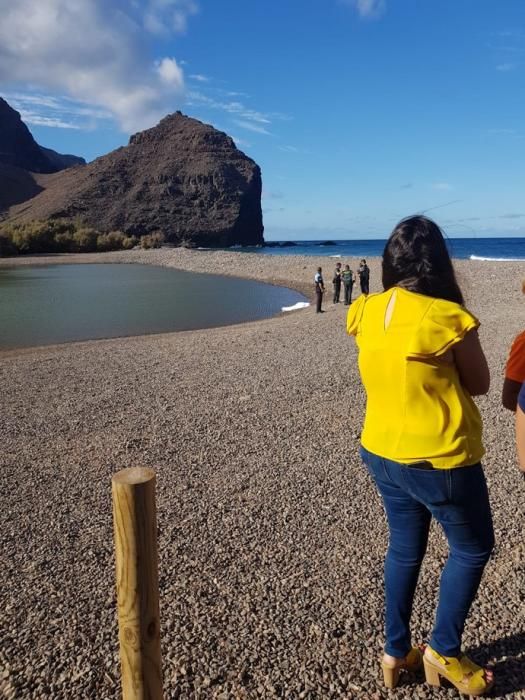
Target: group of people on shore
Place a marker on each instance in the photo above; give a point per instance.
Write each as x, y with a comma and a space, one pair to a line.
421, 363
342, 278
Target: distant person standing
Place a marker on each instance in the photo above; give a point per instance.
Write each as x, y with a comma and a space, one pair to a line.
319, 289
364, 277
337, 283
348, 282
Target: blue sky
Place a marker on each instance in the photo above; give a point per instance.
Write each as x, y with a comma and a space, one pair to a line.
359, 112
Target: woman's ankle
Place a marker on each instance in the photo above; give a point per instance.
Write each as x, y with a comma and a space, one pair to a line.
394, 658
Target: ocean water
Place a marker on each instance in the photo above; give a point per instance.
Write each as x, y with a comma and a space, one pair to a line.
462, 248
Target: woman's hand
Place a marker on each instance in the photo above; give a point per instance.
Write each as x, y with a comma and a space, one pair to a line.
472, 364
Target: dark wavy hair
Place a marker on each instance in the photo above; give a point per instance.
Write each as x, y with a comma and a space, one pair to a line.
416, 258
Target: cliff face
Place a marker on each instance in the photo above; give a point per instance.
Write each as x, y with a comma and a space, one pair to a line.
182, 178
61, 161
19, 149
23, 161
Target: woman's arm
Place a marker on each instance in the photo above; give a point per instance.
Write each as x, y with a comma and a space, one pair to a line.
509, 396
472, 364
520, 437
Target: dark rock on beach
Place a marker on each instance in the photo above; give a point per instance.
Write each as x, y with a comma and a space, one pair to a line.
182, 178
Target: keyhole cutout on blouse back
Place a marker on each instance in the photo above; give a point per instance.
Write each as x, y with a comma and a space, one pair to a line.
390, 309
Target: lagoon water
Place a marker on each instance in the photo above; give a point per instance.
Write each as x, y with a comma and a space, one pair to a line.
50, 304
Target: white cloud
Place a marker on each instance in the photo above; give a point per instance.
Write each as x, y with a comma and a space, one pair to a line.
233, 93
240, 142
250, 126
170, 73
96, 52
254, 116
442, 186
246, 118
368, 8
56, 111
163, 17
200, 78
40, 120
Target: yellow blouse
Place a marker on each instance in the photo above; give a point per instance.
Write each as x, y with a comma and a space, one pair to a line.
417, 408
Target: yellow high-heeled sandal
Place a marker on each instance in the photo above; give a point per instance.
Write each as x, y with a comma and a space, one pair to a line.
464, 674
413, 662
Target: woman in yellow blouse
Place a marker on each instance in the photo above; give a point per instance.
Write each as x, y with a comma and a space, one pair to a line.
421, 362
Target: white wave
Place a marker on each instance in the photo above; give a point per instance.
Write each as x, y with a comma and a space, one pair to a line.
479, 257
334, 256
295, 307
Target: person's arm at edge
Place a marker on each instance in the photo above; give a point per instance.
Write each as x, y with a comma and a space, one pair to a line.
509, 395
472, 364
520, 437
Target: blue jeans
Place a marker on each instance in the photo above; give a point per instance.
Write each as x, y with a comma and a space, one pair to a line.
458, 500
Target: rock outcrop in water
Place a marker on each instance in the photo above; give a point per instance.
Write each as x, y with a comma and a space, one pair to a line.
182, 178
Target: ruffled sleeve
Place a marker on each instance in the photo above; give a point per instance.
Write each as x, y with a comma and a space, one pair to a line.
445, 324
355, 312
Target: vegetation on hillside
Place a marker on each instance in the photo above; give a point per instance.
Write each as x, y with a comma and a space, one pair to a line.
61, 236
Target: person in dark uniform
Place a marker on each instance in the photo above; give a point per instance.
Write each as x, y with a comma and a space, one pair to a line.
337, 283
364, 277
348, 281
319, 289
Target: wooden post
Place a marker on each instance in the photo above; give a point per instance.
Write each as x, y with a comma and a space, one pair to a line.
136, 558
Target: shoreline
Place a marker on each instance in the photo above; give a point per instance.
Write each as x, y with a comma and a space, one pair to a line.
292, 271
271, 536
289, 271
44, 260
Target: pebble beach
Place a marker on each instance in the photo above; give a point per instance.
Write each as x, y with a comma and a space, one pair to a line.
271, 535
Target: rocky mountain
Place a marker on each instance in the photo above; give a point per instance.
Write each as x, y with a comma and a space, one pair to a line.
61, 161
182, 178
16, 185
23, 161
19, 149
